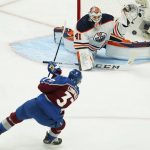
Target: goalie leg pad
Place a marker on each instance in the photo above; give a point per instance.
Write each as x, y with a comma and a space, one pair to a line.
85, 59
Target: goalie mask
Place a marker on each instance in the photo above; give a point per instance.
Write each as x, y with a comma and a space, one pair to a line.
95, 14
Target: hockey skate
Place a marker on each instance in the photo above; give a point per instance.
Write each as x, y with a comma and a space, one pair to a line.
52, 140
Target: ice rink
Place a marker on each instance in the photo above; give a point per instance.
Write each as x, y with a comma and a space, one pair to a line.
113, 109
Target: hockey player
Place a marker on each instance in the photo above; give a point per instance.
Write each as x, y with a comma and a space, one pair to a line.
94, 30
58, 92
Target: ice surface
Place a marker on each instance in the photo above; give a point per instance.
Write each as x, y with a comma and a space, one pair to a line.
112, 112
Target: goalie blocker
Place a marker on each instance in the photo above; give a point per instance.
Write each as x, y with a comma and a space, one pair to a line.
85, 59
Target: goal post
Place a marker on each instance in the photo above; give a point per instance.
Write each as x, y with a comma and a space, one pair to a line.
78, 9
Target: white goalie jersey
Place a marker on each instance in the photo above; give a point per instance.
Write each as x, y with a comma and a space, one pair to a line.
95, 36
91, 36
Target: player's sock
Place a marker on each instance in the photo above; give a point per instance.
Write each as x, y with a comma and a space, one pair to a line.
9, 122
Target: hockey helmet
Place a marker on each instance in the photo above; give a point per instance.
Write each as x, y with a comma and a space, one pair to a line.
95, 14
75, 76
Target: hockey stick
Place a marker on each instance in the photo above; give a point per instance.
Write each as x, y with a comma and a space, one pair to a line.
133, 56
59, 45
102, 66
61, 63
60, 41
98, 66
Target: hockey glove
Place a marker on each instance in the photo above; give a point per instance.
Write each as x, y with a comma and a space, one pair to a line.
53, 68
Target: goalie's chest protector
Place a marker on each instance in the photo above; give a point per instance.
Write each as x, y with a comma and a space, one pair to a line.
97, 35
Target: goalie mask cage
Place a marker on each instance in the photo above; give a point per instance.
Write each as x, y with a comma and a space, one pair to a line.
83, 6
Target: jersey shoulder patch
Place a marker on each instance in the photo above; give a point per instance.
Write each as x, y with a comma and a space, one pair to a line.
84, 24
106, 18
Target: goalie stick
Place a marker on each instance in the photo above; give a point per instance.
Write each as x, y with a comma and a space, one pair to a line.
99, 66
102, 66
133, 56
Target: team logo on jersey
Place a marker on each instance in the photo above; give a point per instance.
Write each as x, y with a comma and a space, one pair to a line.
68, 34
99, 37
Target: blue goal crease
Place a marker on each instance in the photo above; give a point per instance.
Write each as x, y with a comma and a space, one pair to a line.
44, 49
